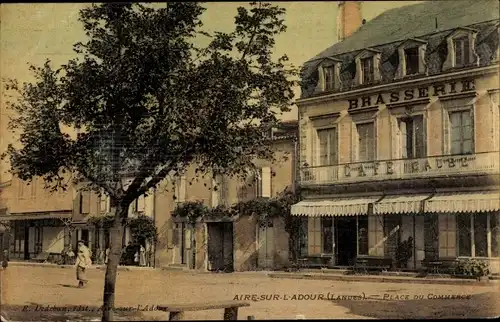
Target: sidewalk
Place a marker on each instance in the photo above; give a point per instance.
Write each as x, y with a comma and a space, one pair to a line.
382, 278
103, 267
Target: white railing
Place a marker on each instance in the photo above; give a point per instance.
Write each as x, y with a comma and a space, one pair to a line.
479, 163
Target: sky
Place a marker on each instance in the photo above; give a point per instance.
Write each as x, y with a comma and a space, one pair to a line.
31, 33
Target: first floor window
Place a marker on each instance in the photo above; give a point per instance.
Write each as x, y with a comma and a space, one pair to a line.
462, 131
362, 235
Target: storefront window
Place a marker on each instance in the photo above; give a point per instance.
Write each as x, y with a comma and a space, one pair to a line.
303, 236
362, 235
480, 235
327, 226
464, 235
495, 234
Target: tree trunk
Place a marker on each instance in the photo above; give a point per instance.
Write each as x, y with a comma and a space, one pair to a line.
115, 245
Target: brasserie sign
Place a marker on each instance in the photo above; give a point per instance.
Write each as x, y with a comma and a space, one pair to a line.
438, 89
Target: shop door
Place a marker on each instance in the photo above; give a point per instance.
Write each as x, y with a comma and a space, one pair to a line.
345, 240
266, 249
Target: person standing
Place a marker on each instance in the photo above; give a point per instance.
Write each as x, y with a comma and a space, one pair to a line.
142, 256
107, 256
83, 261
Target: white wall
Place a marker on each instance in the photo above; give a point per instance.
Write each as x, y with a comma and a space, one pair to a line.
53, 239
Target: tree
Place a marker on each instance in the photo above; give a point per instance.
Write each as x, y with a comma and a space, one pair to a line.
148, 102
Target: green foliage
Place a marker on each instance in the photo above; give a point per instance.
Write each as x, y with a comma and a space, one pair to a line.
149, 101
101, 221
143, 228
472, 267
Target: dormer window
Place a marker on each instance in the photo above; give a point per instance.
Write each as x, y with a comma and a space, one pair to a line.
411, 58
329, 75
329, 72
461, 47
367, 67
367, 64
461, 53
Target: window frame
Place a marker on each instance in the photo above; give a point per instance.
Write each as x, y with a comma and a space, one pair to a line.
460, 33
461, 111
358, 139
472, 232
421, 67
401, 152
416, 68
364, 79
333, 129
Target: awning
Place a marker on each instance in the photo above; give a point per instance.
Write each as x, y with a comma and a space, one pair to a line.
400, 204
35, 216
476, 201
334, 207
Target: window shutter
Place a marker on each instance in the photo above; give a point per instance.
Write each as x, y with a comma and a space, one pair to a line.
333, 147
85, 202
140, 203
216, 187
323, 147
103, 202
418, 132
466, 50
403, 139
266, 182
314, 148
182, 189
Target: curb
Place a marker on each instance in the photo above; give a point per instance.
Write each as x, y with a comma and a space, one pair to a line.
377, 279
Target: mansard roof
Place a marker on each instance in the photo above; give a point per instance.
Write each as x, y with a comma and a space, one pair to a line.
389, 30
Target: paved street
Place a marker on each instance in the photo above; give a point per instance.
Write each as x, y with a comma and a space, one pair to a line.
43, 286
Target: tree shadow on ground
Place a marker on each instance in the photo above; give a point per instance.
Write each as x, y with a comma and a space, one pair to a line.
68, 285
477, 306
64, 313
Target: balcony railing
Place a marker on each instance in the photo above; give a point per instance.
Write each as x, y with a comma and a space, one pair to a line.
436, 166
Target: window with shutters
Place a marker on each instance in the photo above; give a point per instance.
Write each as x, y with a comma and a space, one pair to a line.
265, 182
375, 236
480, 221
447, 235
462, 51
462, 130
103, 203
328, 146
180, 189
314, 236
411, 131
85, 202
367, 69
366, 141
141, 204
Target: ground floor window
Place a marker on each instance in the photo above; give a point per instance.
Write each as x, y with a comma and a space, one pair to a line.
473, 231
302, 240
362, 235
327, 231
314, 236
447, 235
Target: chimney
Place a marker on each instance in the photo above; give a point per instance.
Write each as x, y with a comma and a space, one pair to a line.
348, 18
